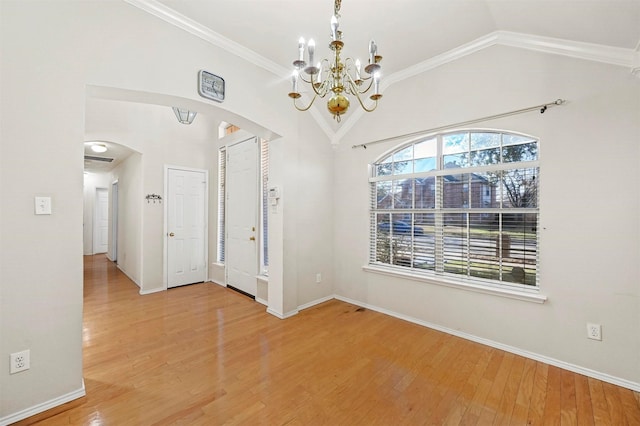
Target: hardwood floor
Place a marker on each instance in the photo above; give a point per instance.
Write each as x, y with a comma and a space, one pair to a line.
205, 355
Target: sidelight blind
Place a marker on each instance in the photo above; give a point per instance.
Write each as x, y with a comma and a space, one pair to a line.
222, 172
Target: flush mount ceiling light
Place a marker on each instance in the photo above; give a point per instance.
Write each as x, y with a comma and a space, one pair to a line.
98, 147
336, 76
184, 115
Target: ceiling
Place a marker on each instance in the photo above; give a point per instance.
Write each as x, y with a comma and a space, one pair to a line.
408, 33
118, 124
98, 162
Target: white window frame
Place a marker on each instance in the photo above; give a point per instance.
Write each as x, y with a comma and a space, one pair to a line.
522, 291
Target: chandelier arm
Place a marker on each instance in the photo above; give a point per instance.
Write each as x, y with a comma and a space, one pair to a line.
362, 92
326, 66
321, 90
349, 62
307, 107
375, 105
353, 85
303, 79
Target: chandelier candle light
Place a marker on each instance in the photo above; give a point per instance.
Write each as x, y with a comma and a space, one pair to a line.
336, 78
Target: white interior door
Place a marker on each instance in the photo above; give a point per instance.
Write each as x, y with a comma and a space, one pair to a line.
241, 255
186, 226
101, 221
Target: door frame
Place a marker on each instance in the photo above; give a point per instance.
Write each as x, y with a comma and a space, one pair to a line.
95, 218
165, 226
257, 222
113, 249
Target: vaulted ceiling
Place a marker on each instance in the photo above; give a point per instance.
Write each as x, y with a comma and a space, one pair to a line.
413, 35
409, 31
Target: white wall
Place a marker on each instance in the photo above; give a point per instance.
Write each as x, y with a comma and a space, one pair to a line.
311, 211
159, 151
130, 218
41, 256
80, 45
589, 205
301, 168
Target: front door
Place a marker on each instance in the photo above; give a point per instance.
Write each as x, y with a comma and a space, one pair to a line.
186, 226
241, 255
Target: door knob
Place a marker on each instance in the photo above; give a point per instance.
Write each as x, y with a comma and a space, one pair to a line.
252, 238
171, 234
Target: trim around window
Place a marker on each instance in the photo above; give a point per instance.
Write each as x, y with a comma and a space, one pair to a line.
524, 293
459, 208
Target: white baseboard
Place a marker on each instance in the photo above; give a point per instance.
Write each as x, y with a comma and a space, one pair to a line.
316, 302
262, 301
216, 282
300, 308
36, 409
153, 290
531, 355
282, 316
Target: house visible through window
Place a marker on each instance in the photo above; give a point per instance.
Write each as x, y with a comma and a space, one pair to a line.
461, 206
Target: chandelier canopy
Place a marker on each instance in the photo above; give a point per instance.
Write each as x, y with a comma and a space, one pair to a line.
335, 77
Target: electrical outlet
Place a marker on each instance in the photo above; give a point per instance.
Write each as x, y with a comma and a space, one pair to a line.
318, 278
20, 361
594, 331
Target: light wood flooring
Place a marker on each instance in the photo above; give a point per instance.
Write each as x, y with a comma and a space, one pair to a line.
206, 355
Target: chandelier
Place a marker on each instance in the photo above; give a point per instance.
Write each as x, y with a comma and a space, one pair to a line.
335, 77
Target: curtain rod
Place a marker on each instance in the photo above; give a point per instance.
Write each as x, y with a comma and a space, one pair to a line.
542, 108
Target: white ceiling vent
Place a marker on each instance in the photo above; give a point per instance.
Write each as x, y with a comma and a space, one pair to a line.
96, 158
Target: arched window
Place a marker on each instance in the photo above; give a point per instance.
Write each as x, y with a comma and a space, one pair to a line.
460, 205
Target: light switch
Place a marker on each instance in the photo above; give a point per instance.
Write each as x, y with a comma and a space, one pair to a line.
43, 205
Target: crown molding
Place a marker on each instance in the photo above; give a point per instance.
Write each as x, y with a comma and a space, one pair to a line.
170, 16
574, 49
419, 68
635, 70
629, 58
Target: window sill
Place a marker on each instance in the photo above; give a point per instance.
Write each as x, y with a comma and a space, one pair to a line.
510, 293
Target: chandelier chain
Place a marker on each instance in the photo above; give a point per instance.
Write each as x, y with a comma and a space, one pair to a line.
336, 8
